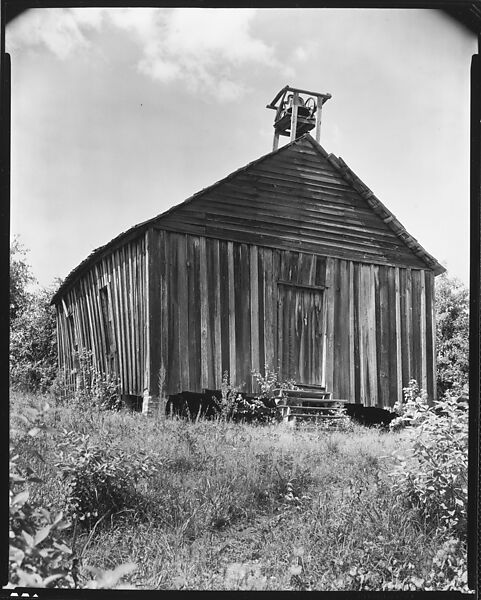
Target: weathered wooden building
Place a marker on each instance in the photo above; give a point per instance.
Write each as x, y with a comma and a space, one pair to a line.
290, 262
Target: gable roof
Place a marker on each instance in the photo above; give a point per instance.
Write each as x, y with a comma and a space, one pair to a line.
297, 197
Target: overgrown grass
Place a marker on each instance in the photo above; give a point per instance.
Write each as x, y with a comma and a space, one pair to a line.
233, 506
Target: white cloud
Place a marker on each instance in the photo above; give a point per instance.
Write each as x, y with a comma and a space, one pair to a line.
203, 48
306, 51
142, 22
209, 32
300, 53
62, 31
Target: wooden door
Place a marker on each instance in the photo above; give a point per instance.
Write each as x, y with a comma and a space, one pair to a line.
301, 334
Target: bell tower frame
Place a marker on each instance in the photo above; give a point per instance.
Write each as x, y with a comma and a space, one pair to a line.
296, 115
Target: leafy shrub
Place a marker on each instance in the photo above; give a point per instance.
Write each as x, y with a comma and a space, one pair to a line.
412, 410
39, 555
101, 481
234, 407
269, 382
434, 478
343, 422
448, 571
254, 410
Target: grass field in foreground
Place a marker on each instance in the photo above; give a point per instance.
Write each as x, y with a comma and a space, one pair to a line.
238, 506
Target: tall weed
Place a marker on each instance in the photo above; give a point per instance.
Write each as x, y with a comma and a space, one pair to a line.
92, 386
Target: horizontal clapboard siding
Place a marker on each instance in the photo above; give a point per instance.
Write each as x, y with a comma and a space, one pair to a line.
293, 200
235, 307
105, 312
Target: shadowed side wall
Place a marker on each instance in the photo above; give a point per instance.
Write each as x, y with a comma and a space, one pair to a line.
105, 312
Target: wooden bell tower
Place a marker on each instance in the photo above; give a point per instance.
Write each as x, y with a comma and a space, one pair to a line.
296, 114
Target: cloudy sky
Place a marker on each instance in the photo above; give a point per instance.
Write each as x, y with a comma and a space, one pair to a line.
118, 114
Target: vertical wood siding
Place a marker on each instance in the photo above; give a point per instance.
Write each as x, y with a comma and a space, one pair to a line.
221, 301
105, 312
229, 307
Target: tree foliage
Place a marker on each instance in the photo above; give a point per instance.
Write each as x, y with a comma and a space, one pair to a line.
452, 335
21, 277
33, 345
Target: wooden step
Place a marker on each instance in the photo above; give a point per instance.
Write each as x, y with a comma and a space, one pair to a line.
311, 418
306, 402
308, 405
307, 408
319, 417
303, 394
309, 413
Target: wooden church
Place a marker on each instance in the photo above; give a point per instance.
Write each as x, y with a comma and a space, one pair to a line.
290, 263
